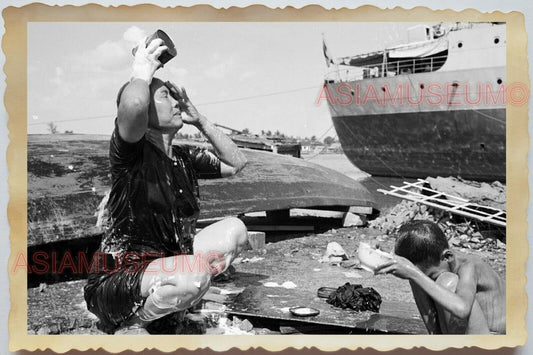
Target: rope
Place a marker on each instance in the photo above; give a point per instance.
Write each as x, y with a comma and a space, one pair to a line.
200, 104
320, 138
385, 164
489, 116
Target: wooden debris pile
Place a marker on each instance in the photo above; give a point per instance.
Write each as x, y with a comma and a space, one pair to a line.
482, 193
461, 232
402, 213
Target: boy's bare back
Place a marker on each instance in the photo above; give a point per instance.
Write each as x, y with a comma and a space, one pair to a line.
490, 291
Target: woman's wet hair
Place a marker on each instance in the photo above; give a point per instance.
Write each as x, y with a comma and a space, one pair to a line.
421, 242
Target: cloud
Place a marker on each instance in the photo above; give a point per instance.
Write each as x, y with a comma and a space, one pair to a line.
111, 56
221, 69
58, 78
217, 71
82, 79
176, 75
247, 75
134, 34
178, 72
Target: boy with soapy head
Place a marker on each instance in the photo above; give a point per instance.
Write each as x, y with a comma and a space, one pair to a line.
455, 293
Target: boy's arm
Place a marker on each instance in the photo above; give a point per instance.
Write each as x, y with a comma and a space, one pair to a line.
427, 309
459, 303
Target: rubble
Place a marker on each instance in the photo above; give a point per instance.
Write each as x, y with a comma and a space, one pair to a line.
235, 326
286, 284
353, 220
352, 274
247, 260
403, 212
42, 286
43, 330
246, 325
334, 254
461, 232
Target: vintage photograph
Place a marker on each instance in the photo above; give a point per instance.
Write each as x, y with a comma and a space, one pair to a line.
194, 177
266, 178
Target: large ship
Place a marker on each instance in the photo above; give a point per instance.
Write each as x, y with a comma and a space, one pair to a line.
432, 107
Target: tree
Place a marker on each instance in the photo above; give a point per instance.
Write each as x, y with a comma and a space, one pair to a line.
313, 138
269, 133
246, 131
52, 127
329, 140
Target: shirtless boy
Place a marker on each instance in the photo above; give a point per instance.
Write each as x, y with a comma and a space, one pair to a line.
455, 293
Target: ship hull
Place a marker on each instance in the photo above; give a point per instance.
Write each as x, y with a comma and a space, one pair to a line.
462, 143
414, 115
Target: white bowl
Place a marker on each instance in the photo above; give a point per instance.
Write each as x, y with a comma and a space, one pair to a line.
371, 258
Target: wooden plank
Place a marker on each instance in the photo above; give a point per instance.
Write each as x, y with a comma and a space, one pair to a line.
273, 303
304, 212
300, 328
256, 214
273, 228
320, 211
361, 209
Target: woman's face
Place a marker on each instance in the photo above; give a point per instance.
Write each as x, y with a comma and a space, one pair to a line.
164, 113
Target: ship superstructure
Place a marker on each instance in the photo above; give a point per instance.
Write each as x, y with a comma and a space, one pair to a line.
434, 106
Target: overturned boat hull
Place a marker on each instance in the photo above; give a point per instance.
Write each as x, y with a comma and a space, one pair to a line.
68, 178
274, 182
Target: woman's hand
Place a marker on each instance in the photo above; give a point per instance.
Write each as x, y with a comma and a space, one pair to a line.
399, 267
193, 116
146, 62
232, 158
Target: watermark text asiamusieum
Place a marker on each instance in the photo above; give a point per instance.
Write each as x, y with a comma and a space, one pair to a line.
433, 94
41, 263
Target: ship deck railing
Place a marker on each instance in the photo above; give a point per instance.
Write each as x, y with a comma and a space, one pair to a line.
420, 192
344, 73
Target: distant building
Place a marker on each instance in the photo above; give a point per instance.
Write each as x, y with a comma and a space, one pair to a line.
334, 148
309, 146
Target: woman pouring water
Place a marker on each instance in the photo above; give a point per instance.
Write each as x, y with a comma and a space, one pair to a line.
150, 261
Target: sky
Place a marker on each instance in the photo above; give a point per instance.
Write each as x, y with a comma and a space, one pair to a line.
260, 76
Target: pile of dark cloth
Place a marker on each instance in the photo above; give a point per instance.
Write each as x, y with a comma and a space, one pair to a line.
356, 297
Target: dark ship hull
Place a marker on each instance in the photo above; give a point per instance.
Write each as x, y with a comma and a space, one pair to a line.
417, 145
